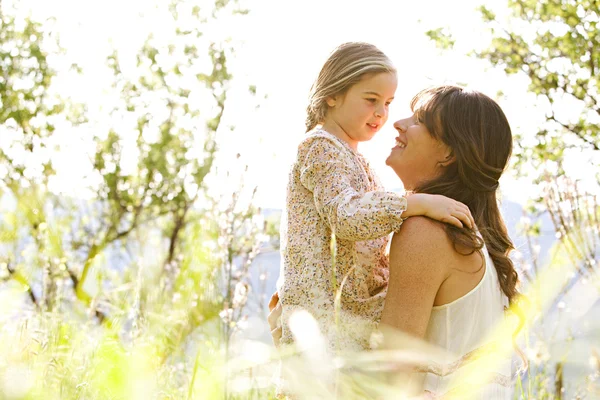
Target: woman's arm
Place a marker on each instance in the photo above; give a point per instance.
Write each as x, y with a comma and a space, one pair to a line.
420, 255
418, 267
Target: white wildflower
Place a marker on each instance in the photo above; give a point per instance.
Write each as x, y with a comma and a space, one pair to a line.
240, 295
226, 315
539, 354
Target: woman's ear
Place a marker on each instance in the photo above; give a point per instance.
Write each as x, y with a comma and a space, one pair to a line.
449, 158
331, 100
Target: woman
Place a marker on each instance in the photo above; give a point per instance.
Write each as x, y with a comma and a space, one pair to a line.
450, 286
447, 285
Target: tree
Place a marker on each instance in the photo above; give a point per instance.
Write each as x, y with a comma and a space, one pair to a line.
148, 195
562, 61
555, 44
26, 114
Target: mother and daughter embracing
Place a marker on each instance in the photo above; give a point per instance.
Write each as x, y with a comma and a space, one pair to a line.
448, 279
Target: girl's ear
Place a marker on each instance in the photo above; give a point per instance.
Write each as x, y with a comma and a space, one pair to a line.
331, 101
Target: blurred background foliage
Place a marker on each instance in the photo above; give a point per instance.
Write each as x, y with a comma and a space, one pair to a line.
133, 289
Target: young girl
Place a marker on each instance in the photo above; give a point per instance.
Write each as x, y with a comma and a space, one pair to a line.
333, 193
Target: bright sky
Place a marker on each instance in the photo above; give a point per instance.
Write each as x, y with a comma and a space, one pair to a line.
281, 47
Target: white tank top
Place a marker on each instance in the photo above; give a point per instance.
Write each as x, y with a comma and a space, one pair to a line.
468, 329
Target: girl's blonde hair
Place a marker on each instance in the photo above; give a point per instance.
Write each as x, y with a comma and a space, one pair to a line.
346, 66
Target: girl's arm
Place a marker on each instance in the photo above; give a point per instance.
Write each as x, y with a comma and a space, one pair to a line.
440, 208
329, 174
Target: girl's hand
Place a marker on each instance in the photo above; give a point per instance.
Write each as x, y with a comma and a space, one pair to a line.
440, 208
274, 319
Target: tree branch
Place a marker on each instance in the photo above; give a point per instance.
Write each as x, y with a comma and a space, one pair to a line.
577, 131
21, 279
99, 314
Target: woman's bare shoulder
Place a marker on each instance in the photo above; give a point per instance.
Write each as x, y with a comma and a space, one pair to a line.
422, 238
419, 229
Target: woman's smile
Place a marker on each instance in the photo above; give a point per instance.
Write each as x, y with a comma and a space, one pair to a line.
399, 143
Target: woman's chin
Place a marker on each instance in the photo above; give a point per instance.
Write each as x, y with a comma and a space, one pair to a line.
393, 157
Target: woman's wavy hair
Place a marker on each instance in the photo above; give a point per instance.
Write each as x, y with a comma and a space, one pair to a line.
477, 132
346, 66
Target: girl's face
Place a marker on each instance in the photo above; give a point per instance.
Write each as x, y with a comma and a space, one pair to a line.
417, 157
357, 115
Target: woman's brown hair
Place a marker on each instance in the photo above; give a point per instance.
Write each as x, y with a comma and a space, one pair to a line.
476, 130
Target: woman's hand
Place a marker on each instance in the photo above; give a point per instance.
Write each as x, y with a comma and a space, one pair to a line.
274, 319
440, 208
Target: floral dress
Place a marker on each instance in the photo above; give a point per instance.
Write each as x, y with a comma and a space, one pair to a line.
333, 193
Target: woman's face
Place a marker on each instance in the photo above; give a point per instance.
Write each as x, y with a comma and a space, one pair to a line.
417, 157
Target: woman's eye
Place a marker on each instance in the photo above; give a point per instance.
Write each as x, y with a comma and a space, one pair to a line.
372, 100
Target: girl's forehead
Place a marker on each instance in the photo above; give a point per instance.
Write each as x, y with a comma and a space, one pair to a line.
380, 82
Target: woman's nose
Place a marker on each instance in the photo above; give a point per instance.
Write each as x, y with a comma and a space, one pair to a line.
400, 125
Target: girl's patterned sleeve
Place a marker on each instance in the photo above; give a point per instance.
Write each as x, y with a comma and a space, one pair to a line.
332, 177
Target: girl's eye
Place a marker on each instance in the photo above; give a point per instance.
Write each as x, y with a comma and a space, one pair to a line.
372, 100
